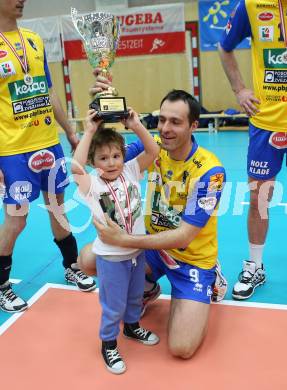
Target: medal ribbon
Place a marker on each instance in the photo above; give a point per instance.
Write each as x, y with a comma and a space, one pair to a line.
282, 20
127, 223
24, 63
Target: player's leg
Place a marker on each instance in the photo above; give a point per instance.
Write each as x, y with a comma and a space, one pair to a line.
190, 306
87, 260
153, 272
263, 163
66, 242
187, 326
14, 224
53, 183
18, 192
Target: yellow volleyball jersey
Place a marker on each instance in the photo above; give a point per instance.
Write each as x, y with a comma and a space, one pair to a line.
260, 19
27, 119
190, 191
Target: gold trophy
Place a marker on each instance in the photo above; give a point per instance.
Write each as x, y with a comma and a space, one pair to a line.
100, 32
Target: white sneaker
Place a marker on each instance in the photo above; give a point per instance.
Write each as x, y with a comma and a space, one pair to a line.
9, 301
220, 285
74, 275
248, 280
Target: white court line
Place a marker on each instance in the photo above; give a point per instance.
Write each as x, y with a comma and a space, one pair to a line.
278, 204
34, 299
15, 281
46, 287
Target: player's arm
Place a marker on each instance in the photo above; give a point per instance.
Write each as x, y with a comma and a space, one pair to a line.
201, 203
151, 148
237, 29
59, 112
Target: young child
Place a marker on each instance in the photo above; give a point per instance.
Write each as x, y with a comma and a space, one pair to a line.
114, 189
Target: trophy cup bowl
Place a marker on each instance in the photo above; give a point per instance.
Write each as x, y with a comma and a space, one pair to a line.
100, 32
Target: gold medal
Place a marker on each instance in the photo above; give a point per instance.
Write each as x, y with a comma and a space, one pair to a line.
28, 79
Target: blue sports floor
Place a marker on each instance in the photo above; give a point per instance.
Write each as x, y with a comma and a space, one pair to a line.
37, 261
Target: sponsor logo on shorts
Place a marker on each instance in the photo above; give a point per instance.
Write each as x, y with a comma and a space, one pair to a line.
41, 160
259, 167
209, 291
198, 287
275, 76
265, 16
207, 203
278, 140
21, 191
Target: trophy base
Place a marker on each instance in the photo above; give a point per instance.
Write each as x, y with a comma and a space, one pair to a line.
110, 109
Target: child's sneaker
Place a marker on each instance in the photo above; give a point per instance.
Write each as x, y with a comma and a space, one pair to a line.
112, 358
136, 332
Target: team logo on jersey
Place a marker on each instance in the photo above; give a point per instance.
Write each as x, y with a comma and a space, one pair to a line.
7, 69
168, 174
41, 160
266, 33
20, 90
32, 43
278, 140
207, 203
276, 76
216, 182
48, 120
18, 46
3, 53
265, 16
228, 27
275, 58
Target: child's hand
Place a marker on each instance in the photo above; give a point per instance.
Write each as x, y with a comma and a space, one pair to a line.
92, 122
132, 121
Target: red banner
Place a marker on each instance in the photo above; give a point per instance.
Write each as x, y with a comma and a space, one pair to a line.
146, 30
134, 45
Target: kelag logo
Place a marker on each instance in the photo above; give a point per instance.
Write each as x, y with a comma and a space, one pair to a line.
19, 90
275, 58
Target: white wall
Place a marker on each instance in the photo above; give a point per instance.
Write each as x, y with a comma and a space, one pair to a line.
42, 8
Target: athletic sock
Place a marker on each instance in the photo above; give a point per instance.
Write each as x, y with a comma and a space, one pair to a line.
149, 283
256, 253
69, 249
5, 269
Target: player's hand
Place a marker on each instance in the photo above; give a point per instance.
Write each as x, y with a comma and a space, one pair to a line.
73, 140
132, 121
102, 83
92, 123
248, 101
110, 233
